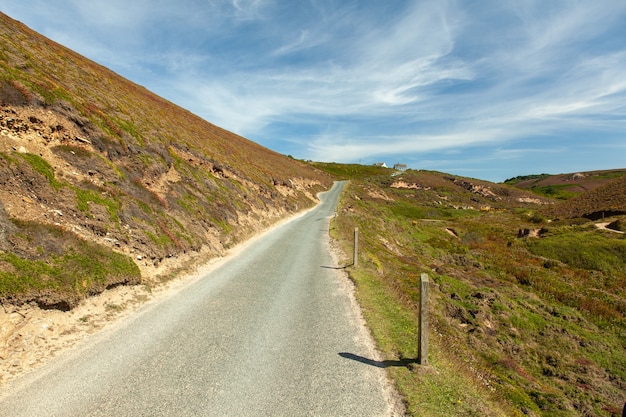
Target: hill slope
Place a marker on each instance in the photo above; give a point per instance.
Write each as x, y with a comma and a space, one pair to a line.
564, 186
606, 200
521, 324
102, 182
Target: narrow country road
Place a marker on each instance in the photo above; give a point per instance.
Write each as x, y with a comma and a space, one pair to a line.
271, 332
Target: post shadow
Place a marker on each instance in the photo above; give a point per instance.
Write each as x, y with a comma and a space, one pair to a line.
335, 267
405, 362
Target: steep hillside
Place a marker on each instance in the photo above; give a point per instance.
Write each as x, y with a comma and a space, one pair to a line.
104, 183
527, 313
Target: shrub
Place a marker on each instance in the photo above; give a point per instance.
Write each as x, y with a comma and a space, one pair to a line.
85, 196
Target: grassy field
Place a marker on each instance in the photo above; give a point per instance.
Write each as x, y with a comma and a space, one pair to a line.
519, 326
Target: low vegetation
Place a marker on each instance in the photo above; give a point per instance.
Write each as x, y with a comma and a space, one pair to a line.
527, 313
56, 269
604, 201
526, 178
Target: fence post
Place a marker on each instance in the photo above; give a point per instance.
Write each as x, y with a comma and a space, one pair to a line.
422, 357
356, 247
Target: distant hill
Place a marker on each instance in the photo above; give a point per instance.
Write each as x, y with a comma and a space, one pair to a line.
104, 183
604, 201
592, 194
442, 190
564, 186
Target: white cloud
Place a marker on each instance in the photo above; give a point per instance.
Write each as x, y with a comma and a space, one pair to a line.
336, 148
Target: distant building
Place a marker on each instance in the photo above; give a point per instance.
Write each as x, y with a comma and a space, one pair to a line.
380, 164
400, 167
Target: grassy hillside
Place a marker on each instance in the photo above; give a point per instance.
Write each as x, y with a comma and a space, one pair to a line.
565, 186
593, 195
102, 182
604, 201
527, 315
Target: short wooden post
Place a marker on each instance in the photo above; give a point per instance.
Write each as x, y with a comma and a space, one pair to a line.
356, 247
422, 357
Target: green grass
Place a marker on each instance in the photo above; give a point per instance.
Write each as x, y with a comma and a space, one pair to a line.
64, 264
130, 128
559, 192
588, 250
161, 240
41, 166
442, 389
75, 271
86, 196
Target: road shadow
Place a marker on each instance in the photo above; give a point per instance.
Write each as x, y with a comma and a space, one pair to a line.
406, 363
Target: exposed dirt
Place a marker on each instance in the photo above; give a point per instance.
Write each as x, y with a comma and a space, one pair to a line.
35, 131
604, 226
29, 335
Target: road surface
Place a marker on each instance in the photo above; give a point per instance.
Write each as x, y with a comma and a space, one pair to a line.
271, 332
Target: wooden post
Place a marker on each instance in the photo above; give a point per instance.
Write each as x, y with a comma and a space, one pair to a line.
356, 247
422, 357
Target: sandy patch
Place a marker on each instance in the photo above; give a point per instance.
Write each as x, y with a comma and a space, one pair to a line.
603, 226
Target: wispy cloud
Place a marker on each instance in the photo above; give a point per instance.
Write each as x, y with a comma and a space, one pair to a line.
360, 80
249, 9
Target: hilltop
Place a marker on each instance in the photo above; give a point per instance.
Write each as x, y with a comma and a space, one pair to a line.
104, 183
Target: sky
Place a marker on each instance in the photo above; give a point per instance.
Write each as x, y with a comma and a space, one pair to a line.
488, 89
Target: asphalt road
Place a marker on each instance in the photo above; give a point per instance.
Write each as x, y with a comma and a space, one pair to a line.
271, 332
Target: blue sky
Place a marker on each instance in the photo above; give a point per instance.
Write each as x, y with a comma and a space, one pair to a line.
489, 89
